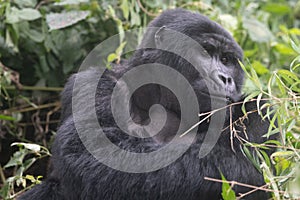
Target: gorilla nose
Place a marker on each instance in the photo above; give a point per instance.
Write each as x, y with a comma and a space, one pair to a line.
227, 81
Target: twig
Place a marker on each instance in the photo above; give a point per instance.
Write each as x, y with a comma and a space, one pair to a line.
42, 3
145, 10
251, 191
241, 184
33, 108
198, 123
2, 176
34, 88
231, 129
48, 117
42, 122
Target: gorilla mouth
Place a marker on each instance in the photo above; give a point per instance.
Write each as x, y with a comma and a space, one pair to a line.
227, 98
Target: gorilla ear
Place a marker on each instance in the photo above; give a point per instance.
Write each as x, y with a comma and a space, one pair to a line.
159, 36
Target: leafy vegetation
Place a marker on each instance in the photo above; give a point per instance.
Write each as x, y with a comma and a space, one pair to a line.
43, 42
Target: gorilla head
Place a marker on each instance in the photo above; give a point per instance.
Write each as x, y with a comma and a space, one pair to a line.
201, 50
209, 63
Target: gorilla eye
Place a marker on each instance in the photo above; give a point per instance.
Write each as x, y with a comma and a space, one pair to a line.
224, 60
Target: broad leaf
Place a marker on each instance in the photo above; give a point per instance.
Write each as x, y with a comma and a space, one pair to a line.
61, 20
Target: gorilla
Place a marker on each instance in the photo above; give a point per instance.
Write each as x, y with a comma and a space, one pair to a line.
209, 64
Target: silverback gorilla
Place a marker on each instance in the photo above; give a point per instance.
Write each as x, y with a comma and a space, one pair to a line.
75, 173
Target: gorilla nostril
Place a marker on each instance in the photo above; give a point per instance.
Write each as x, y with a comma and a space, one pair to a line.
223, 79
229, 81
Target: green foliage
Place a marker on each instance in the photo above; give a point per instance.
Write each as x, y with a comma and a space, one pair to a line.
20, 165
227, 192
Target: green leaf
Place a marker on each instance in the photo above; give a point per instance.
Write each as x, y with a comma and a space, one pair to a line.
249, 97
135, 18
30, 177
277, 8
17, 158
119, 50
295, 46
125, 9
259, 68
35, 35
247, 153
227, 192
258, 103
57, 21
28, 163
111, 57
255, 78
284, 72
258, 31
29, 14
29, 146
250, 52
280, 85
266, 157
284, 49
11, 15
294, 31
296, 87
25, 3
272, 125
43, 64
7, 118
33, 179
70, 2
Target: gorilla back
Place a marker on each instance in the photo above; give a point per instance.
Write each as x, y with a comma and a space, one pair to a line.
76, 174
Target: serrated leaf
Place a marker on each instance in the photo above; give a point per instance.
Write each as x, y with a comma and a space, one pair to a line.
57, 21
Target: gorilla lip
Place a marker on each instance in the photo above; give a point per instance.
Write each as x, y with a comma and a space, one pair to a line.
219, 97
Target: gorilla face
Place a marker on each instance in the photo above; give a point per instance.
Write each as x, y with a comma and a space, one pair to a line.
224, 55
211, 66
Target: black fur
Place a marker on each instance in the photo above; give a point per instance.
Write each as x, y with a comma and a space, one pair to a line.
76, 174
